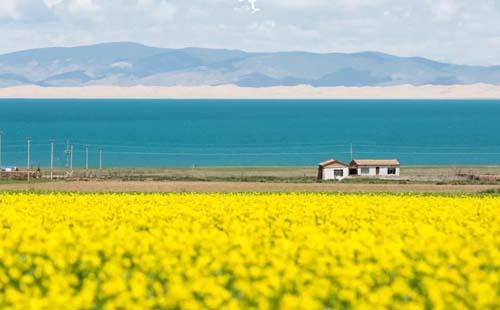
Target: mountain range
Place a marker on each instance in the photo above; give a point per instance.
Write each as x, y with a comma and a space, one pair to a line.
130, 64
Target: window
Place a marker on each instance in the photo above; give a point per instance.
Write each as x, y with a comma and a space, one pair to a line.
391, 171
338, 173
365, 170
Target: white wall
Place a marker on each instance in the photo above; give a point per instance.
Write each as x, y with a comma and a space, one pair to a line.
371, 171
329, 173
382, 172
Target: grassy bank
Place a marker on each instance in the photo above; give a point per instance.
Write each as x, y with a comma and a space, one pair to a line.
439, 175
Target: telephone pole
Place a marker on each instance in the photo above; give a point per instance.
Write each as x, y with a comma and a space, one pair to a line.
86, 160
29, 158
67, 153
71, 158
51, 159
100, 158
0, 148
351, 152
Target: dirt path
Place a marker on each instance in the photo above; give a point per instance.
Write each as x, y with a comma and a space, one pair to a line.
170, 186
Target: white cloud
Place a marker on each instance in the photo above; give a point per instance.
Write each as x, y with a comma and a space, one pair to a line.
52, 3
8, 9
265, 26
85, 6
444, 10
164, 10
462, 31
327, 4
23, 10
252, 5
304, 33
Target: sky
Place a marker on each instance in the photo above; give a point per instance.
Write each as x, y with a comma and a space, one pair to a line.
458, 31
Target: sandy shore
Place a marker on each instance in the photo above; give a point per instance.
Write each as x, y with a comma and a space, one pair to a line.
476, 91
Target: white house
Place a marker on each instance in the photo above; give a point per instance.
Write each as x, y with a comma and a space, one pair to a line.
8, 169
375, 167
332, 170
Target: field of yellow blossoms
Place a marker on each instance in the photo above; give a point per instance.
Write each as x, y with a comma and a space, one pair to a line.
213, 251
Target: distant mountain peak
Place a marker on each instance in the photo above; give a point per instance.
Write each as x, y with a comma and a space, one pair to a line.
129, 63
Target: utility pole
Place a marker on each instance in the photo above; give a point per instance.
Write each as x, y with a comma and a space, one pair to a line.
67, 153
71, 158
100, 159
86, 160
51, 159
0, 148
352, 157
29, 158
100, 162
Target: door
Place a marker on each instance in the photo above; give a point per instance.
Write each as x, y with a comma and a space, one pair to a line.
378, 170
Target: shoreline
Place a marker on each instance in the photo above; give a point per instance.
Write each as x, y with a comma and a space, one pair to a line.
424, 180
303, 92
409, 175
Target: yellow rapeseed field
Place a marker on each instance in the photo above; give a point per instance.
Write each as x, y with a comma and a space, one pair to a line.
213, 251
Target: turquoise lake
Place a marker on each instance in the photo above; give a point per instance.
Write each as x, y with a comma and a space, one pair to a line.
186, 133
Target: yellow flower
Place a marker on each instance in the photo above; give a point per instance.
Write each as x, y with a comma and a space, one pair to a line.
241, 251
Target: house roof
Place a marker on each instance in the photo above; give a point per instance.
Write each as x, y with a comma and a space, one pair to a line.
333, 162
375, 162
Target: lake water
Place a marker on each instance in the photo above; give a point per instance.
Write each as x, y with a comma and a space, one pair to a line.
153, 133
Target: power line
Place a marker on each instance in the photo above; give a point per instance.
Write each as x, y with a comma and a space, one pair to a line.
275, 154
122, 144
276, 144
363, 149
167, 144
300, 145
427, 147
223, 154
433, 153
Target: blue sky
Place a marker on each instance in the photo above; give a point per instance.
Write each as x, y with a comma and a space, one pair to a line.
459, 31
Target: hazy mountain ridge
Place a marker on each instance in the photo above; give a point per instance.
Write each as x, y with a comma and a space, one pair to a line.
128, 64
